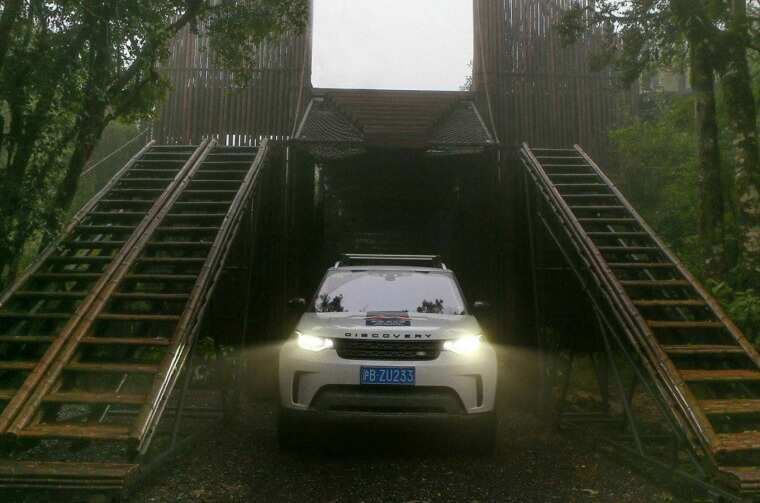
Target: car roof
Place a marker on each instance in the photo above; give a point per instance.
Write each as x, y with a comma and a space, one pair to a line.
360, 268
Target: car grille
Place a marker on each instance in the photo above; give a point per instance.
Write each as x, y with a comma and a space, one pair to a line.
388, 350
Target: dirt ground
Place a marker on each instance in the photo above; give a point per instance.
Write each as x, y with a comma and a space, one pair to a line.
241, 462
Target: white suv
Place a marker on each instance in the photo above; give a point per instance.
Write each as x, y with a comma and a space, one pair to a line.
387, 338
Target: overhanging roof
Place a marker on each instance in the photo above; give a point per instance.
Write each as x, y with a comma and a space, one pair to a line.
393, 119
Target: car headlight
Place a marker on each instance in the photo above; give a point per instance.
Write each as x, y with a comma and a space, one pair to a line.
313, 343
466, 345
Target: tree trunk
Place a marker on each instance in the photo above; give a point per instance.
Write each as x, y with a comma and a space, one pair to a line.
712, 206
737, 85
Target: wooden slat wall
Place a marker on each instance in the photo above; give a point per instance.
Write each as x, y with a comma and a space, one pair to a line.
538, 91
204, 101
542, 92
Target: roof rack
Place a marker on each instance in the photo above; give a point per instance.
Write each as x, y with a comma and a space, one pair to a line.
349, 259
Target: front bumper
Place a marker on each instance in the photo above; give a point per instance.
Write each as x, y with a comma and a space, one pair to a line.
325, 384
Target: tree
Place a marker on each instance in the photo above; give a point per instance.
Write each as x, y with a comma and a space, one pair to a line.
68, 69
736, 81
644, 34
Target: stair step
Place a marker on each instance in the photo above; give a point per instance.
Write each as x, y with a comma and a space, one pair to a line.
70, 475
171, 260
573, 175
221, 172
27, 339
629, 249
702, 349
195, 216
105, 228
7, 394
13, 365
67, 276
135, 191
621, 234
81, 431
151, 296
604, 220
589, 196
684, 324
642, 265
35, 316
126, 341
241, 160
86, 245
233, 183
741, 478
580, 185
670, 303
181, 230
50, 295
138, 317
95, 398
81, 260
719, 375
179, 244
209, 192
656, 283
201, 204
154, 278
561, 165
115, 368
733, 442
117, 214
741, 406
153, 170
597, 208
146, 180
144, 202
161, 161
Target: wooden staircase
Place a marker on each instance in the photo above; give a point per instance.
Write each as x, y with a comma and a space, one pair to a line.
107, 317
705, 369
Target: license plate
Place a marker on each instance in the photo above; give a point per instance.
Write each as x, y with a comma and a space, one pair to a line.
404, 376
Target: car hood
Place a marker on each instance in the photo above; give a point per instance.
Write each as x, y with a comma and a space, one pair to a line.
389, 327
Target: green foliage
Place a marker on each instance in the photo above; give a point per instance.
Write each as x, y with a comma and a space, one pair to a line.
743, 306
658, 173
108, 157
237, 28
657, 160
69, 69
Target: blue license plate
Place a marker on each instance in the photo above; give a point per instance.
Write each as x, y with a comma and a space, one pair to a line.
404, 376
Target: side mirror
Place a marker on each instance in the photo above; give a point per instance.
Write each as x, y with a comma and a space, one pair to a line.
481, 306
297, 303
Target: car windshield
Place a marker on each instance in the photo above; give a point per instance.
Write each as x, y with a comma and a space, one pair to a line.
389, 291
